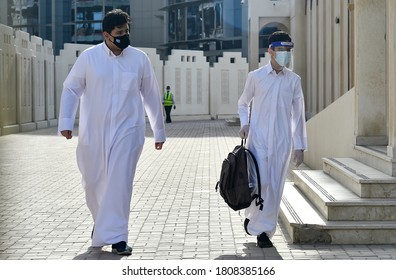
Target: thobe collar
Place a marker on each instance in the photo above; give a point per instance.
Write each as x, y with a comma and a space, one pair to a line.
269, 70
109, 52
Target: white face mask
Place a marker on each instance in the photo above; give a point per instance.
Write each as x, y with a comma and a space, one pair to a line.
283, 58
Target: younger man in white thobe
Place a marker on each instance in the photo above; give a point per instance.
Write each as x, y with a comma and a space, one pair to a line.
277, 125
115, 85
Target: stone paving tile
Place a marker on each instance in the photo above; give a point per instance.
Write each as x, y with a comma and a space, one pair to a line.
175, 211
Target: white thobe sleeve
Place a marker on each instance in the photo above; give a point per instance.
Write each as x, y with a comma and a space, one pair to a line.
73, 88
152, 102
298, 118
245, 99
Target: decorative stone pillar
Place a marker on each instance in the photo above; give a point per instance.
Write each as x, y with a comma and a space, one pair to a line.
253, 35
370, 78
391, 75
8, 103
24, 81
298, 32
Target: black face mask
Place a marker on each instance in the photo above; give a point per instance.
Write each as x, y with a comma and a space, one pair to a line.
121, 42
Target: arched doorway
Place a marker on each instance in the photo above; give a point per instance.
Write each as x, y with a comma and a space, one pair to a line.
265, 32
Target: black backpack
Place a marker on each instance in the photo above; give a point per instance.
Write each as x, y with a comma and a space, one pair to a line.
234, 179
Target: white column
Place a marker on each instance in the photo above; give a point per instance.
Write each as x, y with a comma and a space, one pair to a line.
391, 69
8, 104
371, 96
253, 46
314, 59
321, 17
337, 50
298, 33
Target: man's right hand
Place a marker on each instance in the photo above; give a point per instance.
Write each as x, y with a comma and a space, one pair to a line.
244, 132
67, 134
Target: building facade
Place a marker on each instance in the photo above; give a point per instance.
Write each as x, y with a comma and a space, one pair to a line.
212, 26
76, 21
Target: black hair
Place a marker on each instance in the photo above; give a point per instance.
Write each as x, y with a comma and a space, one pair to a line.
114, 18
279, 36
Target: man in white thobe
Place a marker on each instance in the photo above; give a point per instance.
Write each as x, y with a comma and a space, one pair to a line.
274, 98
115, 85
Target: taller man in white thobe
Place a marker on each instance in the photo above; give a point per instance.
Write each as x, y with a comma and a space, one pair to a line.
274, 98
115, 85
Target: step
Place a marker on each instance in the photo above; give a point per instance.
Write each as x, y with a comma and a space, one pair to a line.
337, 203
376, 157
306, 225
233, 122
363, 180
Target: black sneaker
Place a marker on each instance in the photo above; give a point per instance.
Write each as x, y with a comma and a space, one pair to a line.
245, 225
121, 248
263, 241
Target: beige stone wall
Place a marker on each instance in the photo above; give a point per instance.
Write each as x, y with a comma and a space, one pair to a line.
365, 61
187, 73
27, 98
328, 55
32, 81
391, 69
8, 97
198, 88
370, 65
227, 81
24, 81
38, 81
49, 69
331, 132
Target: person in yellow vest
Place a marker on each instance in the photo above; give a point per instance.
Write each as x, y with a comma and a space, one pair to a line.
168, 102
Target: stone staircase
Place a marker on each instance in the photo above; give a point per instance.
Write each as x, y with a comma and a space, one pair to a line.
347, 202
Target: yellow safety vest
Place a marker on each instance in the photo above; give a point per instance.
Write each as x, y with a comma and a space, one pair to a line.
168, 99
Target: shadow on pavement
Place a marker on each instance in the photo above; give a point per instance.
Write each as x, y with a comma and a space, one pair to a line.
252, 252
94, 253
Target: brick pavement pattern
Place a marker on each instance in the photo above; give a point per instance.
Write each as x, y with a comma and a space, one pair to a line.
175, 211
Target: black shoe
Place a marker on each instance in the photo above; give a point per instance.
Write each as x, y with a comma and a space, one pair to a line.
263, 241
245, 225
121, 248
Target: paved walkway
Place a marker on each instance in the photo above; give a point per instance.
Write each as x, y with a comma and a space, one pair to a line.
175, 212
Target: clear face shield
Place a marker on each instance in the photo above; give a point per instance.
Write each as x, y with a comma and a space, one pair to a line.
283, 53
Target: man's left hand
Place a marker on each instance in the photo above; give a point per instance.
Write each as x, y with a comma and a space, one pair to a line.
298, 157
